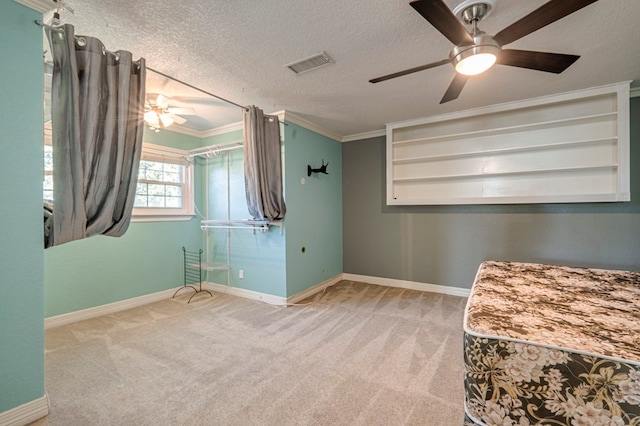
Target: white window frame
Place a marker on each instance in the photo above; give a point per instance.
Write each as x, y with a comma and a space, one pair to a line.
47, 143
154, 214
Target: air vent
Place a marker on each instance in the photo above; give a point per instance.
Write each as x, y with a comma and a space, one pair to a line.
311, 63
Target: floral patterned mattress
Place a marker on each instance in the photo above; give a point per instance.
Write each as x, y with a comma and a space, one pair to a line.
552, 345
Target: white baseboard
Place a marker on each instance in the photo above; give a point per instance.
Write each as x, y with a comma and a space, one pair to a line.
110, 308
411, 285
26, 413
247, 294
315, 289
269, 298
114, 307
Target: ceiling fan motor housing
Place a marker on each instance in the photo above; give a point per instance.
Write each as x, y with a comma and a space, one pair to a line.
470, 10
480, 40
482, 44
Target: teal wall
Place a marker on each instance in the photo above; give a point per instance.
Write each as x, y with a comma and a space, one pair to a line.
172, 139
21, 171
261, 256
147, 259
273, 262
445, 244
314, 209
100, 270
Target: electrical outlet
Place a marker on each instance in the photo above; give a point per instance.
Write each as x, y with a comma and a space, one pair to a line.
241, 274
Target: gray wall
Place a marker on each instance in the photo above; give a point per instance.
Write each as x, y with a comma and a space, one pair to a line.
444, 245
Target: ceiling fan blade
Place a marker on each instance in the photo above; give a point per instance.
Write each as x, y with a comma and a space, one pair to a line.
543, 16
410, 71
162, 101
182, 111
442, 18
455, 88
177, 119
540, 61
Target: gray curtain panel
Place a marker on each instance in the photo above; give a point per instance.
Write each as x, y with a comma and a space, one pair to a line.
97, 109
263, 165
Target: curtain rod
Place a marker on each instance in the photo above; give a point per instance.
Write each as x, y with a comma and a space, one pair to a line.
58, 30
49, 27
214, 150
198, 89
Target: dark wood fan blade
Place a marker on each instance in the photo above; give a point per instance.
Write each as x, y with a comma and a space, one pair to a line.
410, 71
455, 88
543, 16
443, 19
541, 61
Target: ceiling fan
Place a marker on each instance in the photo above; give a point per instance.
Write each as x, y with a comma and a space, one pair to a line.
158, 112
475, 52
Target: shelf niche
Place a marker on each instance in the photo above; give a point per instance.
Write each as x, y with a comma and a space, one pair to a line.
567, 148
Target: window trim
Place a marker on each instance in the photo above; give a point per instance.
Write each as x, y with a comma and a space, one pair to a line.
47, 143
154, 214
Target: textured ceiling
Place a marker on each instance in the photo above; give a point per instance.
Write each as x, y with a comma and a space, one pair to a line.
237, 49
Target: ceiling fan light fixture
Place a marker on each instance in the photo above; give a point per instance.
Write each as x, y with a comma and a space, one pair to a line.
474, 63
152, 118
477, 58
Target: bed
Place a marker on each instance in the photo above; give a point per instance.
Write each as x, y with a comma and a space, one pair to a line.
552, 345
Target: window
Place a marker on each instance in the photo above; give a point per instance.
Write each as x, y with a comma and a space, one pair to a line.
164, 190
47, 185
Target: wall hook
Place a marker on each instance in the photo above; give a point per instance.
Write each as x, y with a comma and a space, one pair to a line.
322, 169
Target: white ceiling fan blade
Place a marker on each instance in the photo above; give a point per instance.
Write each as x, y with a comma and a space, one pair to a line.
176, 118
181, 111
166, 120
151, 97
162, 101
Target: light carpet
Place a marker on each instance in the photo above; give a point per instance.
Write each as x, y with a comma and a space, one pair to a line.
360, 354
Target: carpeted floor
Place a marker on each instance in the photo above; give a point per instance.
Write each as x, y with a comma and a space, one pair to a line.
360, 355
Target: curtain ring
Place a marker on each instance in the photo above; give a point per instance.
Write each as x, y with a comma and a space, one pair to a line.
81, 41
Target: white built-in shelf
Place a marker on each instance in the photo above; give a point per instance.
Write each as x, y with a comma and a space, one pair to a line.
607, 167
508, 150
572, 147
509, 129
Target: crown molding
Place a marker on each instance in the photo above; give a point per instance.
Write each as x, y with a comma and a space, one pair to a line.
282, 116
296, 119
365, 135
233, 127
634, 92
182, 130
222, 130
41, 6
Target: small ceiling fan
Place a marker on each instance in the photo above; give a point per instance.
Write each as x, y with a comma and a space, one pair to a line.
158, 113
475, 52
